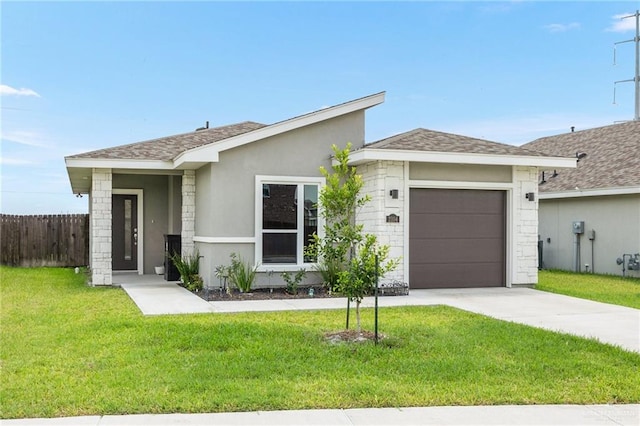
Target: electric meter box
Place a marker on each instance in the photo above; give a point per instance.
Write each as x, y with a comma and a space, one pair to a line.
578, 227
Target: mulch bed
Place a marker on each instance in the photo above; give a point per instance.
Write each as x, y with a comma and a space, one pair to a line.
334, 337
263, 294
351, 336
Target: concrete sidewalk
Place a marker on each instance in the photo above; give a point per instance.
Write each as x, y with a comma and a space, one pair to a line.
586, 415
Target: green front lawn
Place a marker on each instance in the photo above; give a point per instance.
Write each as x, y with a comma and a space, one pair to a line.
68, 349
601, 288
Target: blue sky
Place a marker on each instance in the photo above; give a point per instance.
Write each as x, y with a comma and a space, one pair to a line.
79, 76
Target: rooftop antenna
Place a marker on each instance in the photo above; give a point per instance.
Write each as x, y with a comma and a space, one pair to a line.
636, 78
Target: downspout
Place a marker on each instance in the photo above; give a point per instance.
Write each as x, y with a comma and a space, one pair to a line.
576, 252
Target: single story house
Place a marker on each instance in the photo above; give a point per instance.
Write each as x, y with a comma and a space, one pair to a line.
459, 211
601, 195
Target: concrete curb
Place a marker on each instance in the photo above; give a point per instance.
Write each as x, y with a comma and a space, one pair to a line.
467, 415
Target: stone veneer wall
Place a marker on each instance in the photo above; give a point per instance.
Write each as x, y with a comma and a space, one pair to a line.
525, 218
100, 232
379, 179
188, 211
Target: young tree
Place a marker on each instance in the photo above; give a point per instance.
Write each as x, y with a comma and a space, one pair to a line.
346, 254
339, 199
360, 278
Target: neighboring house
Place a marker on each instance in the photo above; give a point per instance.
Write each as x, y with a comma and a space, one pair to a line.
603, 192
459, 211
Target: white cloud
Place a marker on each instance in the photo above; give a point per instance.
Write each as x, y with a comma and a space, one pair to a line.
24, 138
560, 28
620, 25
11, 91
15, 161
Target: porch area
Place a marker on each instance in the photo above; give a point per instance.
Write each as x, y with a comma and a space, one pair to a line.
131, 212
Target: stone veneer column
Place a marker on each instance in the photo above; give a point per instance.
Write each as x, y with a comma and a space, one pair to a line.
100, 231
379, 179
188, 211
525, 217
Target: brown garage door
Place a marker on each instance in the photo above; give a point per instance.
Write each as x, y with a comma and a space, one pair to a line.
456, 238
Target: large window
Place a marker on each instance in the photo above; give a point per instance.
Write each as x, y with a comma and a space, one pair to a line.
286, 218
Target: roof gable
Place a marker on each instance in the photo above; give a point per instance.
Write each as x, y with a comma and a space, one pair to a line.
430, 140
429, 146
167, 148
612, 161
210, 153
193, 149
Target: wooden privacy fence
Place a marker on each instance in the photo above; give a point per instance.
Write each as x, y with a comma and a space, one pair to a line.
44, 240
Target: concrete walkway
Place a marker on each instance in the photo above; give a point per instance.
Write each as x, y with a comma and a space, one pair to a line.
617, 325
585, 415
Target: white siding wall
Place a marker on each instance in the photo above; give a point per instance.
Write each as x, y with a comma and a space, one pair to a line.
615, 220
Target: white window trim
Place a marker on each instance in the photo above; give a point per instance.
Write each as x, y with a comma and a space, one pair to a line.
298, 180
224, 240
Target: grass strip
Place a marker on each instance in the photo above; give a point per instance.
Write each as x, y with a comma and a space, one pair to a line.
69, 350
601, 288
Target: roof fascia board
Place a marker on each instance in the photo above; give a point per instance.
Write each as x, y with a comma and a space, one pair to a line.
598, 192
365, 155
211, 151
101, 163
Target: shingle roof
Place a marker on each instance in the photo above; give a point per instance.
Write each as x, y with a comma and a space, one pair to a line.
169, 147
612, 161
430, 140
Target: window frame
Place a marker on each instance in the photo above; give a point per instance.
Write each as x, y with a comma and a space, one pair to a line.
300, 181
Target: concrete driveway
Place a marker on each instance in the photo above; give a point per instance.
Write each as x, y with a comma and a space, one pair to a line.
617, 325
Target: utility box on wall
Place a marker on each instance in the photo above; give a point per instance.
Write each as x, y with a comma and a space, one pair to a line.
578, 227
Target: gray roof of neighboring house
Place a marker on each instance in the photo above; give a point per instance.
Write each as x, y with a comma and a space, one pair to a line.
612, 161
430, 140
167, 148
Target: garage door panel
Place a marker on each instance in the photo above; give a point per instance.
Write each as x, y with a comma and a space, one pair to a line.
460, 225
456, 238
447, 201
457, 251
452, 276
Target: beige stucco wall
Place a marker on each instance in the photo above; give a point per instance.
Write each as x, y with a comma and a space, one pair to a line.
174, 208
225, 191
459, 172
616, 220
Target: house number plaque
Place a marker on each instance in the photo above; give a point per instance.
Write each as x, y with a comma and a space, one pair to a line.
393, 218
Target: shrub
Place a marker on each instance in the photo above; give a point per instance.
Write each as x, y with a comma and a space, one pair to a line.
293, 282
189, 267
241, 274
329, 270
